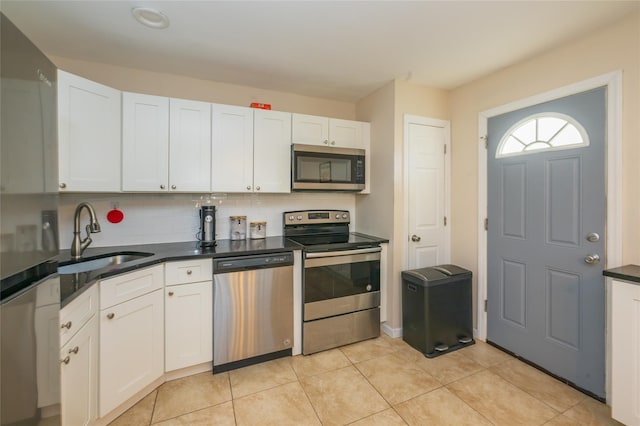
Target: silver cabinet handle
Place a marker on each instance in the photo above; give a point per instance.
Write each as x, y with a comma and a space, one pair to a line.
415, 238
170, 293
326, 142
74, 350
63, 185
173, 187
111, 315
66, 325
592, 259
257, 188
162, 186
333, 142
248, 187
65, 360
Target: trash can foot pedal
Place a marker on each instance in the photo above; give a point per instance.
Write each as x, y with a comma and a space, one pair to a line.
441, 348
465, 340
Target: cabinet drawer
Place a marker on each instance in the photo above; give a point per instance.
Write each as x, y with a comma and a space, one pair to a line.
188, 271
127, 286
77, 313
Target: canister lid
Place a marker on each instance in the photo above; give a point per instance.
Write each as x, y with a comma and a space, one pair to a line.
257, 223
238, 217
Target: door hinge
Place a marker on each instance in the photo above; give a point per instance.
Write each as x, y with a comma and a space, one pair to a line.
486, 223
485, 305
485, 138
445, 221
445, 149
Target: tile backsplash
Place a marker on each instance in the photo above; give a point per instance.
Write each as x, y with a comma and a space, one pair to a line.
163, 218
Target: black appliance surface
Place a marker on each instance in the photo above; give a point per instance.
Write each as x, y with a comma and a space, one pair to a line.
29, 289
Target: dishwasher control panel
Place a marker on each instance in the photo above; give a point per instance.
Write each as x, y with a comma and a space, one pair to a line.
243, 263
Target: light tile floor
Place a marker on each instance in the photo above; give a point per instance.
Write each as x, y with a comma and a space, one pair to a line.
377, 382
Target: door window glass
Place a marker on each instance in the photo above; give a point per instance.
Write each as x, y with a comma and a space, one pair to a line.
542, 132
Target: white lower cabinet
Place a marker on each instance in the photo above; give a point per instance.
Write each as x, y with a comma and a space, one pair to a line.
79, 336
79, 376
625, 352
188, 313
131, 338
188, 325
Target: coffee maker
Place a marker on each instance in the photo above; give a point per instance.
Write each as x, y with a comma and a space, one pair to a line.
207, 226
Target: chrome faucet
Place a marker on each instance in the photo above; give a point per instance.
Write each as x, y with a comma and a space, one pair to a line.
78, 245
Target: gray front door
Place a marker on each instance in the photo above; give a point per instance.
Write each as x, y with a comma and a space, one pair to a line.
546, 203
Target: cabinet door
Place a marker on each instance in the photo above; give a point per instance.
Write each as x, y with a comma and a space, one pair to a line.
145, 142
272, 151
188, 325
310, 129
232, 149
625, 352
88, 135
345, 133
79, 376
131, 348
189, 146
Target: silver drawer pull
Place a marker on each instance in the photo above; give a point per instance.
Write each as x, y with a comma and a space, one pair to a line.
111, 315
66, 325
74, 350
65, 360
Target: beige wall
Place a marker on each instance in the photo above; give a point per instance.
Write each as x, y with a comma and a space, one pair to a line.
614, 48
153, 83
382, 212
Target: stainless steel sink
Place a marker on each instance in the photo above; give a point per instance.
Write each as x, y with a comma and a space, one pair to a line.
100, 262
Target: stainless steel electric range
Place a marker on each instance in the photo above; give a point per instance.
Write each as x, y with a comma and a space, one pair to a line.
341, 279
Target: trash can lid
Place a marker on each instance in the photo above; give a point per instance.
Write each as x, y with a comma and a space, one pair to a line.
435, 275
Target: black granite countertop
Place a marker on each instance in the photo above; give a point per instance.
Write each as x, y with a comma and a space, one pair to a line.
627, 272
72, 285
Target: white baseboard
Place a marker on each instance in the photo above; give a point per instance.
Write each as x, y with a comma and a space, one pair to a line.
391, 332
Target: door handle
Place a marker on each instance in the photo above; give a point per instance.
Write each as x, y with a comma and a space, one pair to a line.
592, 259
415, 238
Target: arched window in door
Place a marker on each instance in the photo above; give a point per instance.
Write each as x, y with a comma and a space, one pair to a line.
542, 132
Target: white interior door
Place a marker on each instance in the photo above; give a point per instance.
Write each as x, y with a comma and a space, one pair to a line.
426, 186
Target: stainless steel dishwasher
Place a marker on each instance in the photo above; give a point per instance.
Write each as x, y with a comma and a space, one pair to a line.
252, 309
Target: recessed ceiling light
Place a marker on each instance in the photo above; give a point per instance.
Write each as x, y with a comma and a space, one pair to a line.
150, 17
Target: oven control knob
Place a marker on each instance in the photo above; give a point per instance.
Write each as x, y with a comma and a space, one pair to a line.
369, 287
344, 215
337, 216
292, 217
299, 217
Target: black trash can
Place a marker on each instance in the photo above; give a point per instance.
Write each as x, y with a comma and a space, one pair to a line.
436, 309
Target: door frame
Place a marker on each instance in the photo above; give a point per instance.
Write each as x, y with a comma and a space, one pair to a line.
613, 177
446, 125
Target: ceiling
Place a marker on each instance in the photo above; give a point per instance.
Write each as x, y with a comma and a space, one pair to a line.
339, 50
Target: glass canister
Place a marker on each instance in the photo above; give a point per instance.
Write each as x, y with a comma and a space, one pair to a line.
257, 230
238, 230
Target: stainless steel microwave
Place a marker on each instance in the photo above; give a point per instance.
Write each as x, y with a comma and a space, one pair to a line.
325, 168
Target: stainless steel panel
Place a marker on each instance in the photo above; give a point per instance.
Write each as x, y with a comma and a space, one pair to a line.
345, 253
253, 313
328, 186
332, 332
313, 260
328, 150
341, 305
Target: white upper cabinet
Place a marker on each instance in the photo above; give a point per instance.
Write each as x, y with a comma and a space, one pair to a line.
251, 150
189, 146
271, 151
88, 135
166, 144
315, 130
145, 142
232, 145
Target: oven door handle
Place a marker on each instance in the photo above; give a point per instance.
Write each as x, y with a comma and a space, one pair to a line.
343, 252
